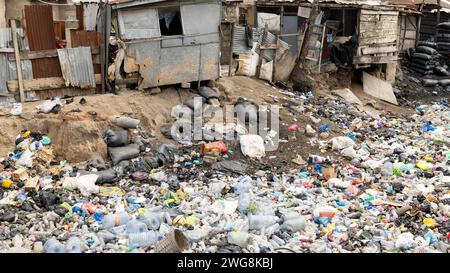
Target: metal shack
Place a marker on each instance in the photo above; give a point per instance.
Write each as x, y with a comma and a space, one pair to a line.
170, 42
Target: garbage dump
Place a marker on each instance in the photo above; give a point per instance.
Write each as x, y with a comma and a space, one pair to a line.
378, 185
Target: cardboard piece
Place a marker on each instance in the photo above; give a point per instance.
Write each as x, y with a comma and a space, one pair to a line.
32, 184
378, 88
20, 175
328, 173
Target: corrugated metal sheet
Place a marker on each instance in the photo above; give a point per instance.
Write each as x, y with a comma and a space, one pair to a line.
240, 43
8, 70
90, 11
7, 42
41, 36
272, 39
85, 38
77, 67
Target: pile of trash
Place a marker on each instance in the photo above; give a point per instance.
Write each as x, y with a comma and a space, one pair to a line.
382, 185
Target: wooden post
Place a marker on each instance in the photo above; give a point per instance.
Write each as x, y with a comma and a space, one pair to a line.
275, 58
231, 51
438, 16
321, 45
261, 51
419, 23
309, 31
18, 63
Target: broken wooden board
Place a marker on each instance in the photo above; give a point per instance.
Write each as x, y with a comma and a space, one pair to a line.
347, 95
42, 84
378, 88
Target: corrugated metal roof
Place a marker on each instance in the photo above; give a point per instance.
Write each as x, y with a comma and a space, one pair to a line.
77, 67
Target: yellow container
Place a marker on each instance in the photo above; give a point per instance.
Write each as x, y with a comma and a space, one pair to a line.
6, 183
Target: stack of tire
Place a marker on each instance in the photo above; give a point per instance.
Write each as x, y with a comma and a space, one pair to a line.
443, 38
425, 58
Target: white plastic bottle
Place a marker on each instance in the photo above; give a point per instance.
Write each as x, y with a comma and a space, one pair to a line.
135, 226
54, 246
143, 239
115, 220
74, 245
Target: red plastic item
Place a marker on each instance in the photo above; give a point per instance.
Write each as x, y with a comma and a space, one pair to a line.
293, 127
219, 146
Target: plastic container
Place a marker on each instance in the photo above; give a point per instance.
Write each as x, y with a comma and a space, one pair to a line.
241, 239
294, 224
245, 201
153, 220
54, 246
244, 185
115, 220
74, 245
261, 221
143, 239
135, 226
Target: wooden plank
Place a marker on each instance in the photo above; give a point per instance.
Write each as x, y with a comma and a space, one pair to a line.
378, 19
374, 59
43, 84
378, 88
376, 50
41, 54
18, 63
369, 26
6, 50
375, 12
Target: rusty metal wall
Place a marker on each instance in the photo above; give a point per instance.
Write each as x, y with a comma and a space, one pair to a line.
147, 56
41, 36
165, 60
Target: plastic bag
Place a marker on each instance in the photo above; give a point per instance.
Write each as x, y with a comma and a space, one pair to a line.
26, 160
16, 110
86, 184
340, 143
252, 146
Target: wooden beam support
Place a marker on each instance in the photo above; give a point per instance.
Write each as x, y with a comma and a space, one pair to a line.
18, 63
43, 84
41, 54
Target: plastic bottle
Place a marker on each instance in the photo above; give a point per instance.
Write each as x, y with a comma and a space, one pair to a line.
244, 185
294, 224
54, 246
261, 221
244, 202
114, 220
387, 169
151, 219
74, 245
143, 239
135, 226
